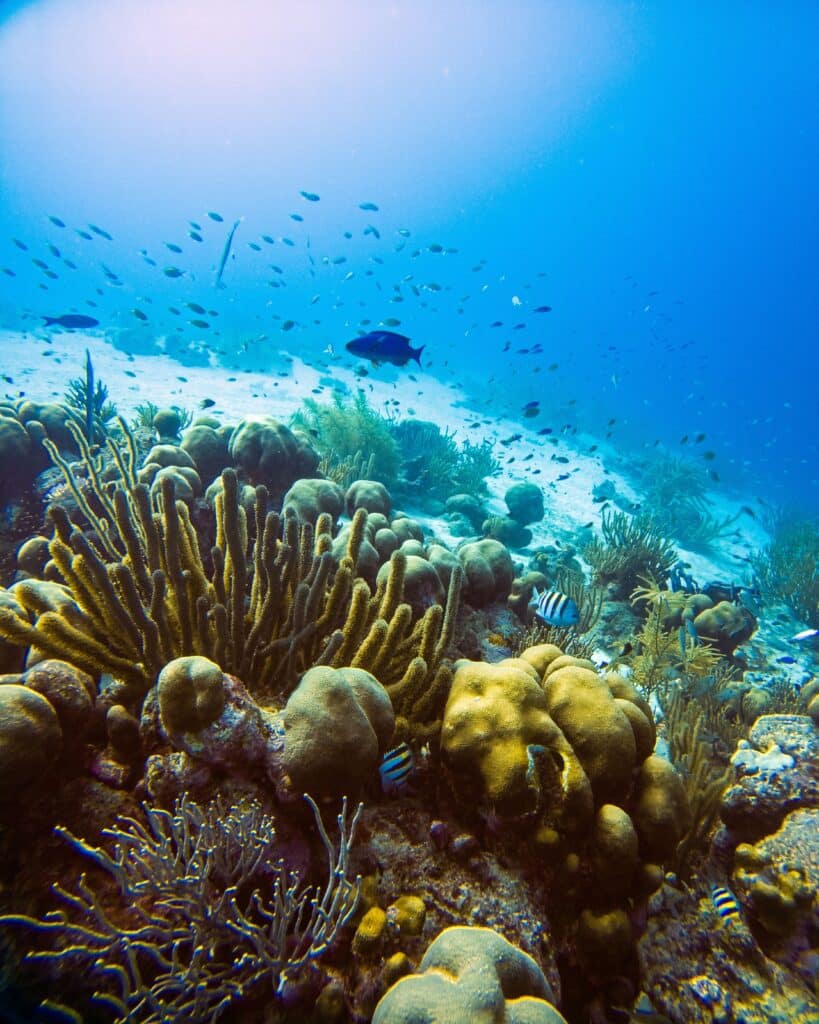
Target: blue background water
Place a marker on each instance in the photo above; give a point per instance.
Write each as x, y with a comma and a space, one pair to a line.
655, 163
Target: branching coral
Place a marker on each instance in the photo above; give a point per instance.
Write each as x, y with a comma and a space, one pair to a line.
342, 431
663, 653
704, 781
344, 471
630, 548
788, 570
76, 398
266, 611
196, 936
676, 494
434, 461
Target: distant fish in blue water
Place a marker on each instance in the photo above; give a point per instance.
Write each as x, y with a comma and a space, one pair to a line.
806, 634
216, 216
396, 767
71, 321
543, 309
384, 347
786, 659
173, 272
369, 207
531, 409
554, 608
311, 197
173, 247
101, 232
195, 236
57, 222
725, 903
225, 252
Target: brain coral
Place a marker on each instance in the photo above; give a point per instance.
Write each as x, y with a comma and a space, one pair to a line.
267, 452
469, 975
497, 730
337, 725
30, 739
598, 729
488, 571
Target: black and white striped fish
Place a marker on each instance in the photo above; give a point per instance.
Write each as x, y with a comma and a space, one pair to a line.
396, 767
725, 903
554, 608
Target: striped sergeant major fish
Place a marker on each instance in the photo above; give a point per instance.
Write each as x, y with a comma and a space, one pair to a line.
554, 608
396, 767
226, 253
725, 903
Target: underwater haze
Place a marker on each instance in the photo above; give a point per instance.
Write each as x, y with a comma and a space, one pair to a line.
646, 171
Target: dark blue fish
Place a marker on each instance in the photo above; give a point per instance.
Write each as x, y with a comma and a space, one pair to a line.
385, 347
370, 207
396, 767
543, 309
786, 659
99, 231
57, 222
554, 608
311, 197
71, 321
216, 216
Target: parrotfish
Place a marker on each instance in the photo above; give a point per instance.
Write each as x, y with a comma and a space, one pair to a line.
385, 347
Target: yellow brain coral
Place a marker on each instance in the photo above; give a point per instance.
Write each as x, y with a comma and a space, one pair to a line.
598, 729
497, 729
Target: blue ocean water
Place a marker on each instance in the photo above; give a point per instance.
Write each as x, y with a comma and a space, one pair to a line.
647, 171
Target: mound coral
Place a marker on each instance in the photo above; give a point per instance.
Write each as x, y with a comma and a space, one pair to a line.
267, 452
468, 974
488, 571
337, 725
